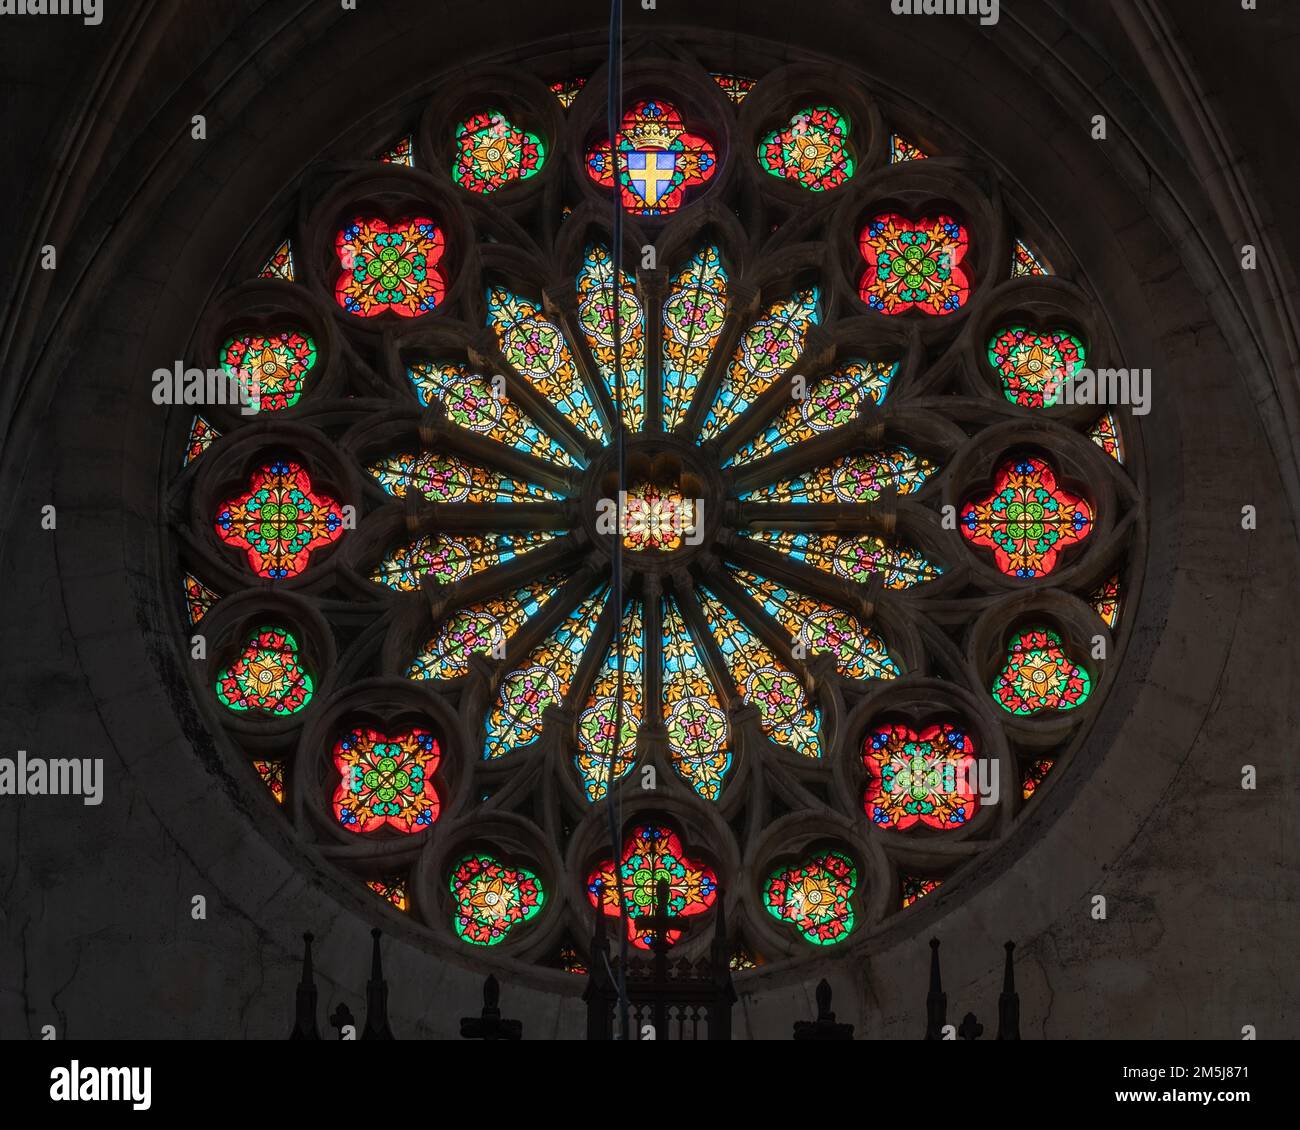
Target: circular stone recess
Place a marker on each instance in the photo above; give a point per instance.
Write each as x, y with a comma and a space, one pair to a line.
670, 507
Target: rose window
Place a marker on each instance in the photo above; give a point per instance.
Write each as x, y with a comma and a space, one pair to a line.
874, 568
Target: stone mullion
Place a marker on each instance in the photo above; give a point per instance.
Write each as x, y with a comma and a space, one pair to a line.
819, 517
562, 308
437, 434
750, 613
867, 431
652, 616
816, 355
423, 517
486, 353
553, 557
742, 309
654, 289
804, 579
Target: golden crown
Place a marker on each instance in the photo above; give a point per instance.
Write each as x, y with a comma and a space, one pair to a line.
651, 135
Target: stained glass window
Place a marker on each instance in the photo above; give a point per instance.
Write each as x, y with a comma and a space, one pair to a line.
439, 477
267, 675
1027, 520
815, 897
490, 899
606, 747
782, 528
280, 264
817, 628
474, 404
201, 436
402, 152
480, 629
540, 682
1039, 675
915, 889
280, 521
198, 598
1106, 600
1025, 263
653, 853
279, 364
901, 150
659, 161
833, 402
852, 478
390, 267
915, 265
813, 150
596, 317
1106, 435
535, 348
392, 891
1034, 775
491, 152
763, 681
733, 86
857, 559
271, 774
699, 730
768, 348
924, 777
386, 781
567, 90
693, 316
1036, 366
449, 557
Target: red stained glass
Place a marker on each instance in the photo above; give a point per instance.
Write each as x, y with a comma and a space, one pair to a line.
279, 364
658, 160
915, 265
650, 854
392, 891
914, 888
920, 778
198, 598
390, 267
1040, 676
386, 781
272, 775
201, 436
266, 676
280, 522
1034, 776
1027, 520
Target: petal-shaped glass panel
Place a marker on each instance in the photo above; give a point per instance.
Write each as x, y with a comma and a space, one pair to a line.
442, 477
831, 403
763, 681
852, 478
693, 315
768, 348
535, 348
596, 317
606, 750
473, 404
540, 682
855, 558
480, 629
449, 557
822, 629
699, 731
